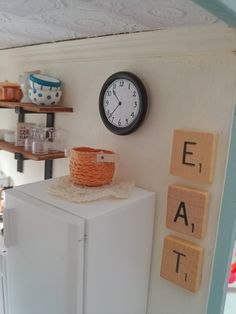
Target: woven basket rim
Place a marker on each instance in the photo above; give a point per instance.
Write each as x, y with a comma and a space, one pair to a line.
90, 150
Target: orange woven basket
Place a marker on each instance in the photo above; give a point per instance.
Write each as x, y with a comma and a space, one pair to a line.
91, 167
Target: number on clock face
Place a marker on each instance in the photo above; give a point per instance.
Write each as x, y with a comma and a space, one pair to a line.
121, 103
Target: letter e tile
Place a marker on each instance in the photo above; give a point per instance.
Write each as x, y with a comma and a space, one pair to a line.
193, 155
187, 210
182, 263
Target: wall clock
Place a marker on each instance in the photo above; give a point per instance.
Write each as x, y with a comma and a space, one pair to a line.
123, 103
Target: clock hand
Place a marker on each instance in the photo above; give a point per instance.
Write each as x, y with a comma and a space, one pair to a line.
114, 109
119, 103
114, 93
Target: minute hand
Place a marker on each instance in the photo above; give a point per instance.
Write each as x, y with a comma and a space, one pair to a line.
114, 109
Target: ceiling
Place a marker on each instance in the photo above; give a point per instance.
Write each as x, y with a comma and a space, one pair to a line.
28, 22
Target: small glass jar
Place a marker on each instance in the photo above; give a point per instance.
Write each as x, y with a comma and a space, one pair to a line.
29, 139
52, 139
9, 136
39, 142
56, 139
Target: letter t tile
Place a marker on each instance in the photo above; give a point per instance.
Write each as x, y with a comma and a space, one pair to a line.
182, 263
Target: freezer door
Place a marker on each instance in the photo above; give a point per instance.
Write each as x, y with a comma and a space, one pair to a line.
45, 248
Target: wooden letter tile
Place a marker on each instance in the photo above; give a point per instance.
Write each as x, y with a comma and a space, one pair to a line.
187, 210
182, 263
193, 155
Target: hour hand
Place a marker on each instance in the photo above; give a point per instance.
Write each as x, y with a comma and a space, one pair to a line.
114, 93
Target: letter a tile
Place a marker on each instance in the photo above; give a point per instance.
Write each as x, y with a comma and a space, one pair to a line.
193, 155
187, 210
182, 263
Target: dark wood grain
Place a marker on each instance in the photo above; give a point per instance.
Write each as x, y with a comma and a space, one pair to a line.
34, 108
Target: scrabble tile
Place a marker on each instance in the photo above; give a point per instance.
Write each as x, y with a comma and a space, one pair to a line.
193, 155
182, 263
187, 210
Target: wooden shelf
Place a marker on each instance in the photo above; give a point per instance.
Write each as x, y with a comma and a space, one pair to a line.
20, 154
28, 155
34, 108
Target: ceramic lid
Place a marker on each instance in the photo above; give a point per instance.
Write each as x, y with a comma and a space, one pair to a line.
45, 80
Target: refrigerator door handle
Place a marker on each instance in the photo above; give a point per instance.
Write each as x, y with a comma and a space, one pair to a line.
7, 230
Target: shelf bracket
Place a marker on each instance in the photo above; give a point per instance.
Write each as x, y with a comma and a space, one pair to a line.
50, 119
48, 169
21, 114
20, 161
49, 163
20, 158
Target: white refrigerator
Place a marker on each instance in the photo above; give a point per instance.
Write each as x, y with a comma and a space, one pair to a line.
68, 258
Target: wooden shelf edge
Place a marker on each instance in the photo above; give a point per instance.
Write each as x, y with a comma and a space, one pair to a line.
34, 108
11, 148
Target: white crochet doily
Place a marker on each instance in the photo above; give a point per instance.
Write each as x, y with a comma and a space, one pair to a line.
63, 187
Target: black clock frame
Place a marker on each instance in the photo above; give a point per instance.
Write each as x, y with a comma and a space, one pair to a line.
143, 103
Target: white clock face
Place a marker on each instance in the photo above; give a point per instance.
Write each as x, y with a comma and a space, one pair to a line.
121, 103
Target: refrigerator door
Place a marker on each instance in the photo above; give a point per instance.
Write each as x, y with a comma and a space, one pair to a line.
3, 290
45, 253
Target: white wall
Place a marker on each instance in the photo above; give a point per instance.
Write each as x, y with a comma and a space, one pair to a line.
190, 76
